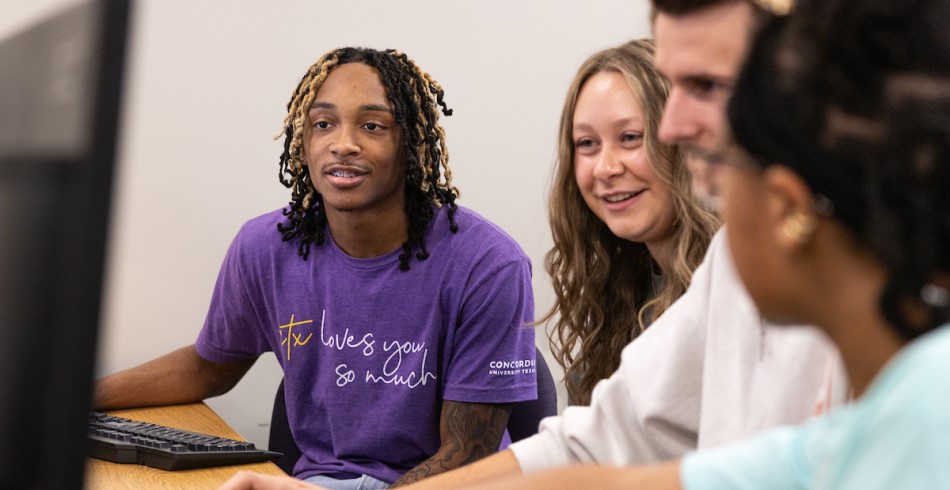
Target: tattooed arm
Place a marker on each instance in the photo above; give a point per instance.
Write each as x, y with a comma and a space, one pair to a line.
469, 432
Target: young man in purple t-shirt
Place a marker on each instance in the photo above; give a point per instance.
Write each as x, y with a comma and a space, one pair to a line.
401, 320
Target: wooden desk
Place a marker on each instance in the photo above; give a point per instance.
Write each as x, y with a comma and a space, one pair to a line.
196, 417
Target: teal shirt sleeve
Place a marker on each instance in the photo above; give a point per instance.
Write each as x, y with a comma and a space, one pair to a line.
770, 461
897, 436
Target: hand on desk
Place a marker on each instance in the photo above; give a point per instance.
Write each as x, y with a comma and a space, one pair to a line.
251, 480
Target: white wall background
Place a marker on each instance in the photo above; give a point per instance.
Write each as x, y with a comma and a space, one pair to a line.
207, 82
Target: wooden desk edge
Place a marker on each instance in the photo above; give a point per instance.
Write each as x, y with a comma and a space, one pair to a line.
196, 417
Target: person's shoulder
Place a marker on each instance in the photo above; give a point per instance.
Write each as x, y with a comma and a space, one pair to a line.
265, 224
718, 254
915, 379
261, 233
715, 276
930, 352
477, 232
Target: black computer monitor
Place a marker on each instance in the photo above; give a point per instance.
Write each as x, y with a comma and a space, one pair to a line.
60, 84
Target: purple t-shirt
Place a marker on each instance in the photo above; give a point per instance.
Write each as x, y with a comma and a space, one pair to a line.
369, 351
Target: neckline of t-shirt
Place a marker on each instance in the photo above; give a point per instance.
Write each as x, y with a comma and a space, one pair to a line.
384, 260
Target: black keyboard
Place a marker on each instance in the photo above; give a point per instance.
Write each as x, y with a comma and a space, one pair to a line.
123, 440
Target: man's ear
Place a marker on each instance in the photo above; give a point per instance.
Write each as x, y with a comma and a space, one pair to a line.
791, 204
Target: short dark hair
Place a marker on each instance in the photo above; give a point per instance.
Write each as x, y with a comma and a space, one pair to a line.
854, 95
678, 8
416, 99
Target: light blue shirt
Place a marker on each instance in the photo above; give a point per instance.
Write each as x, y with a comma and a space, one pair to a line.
897, 436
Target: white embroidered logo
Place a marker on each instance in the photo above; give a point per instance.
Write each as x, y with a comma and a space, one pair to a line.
511, 368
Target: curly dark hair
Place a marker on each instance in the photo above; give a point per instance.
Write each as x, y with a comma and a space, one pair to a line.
416, 99
855, 97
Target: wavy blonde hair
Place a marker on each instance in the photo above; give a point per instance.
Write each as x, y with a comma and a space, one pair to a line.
603, 283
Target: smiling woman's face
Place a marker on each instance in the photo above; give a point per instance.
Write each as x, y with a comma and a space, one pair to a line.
611, 166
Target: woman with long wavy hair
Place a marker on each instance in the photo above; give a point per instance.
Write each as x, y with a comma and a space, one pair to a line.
627, 231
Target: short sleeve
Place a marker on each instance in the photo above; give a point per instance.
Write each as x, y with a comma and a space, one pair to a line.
765, 461
231, 331
492, 356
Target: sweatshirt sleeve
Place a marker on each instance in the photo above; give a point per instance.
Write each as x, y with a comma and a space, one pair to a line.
649, 409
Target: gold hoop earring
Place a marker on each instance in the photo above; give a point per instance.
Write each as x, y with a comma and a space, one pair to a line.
776, 7
800, 227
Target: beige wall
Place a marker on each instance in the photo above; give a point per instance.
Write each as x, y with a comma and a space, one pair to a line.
207, 84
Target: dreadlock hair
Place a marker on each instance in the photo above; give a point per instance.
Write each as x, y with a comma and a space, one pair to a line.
416, 98
854, 96
603, 284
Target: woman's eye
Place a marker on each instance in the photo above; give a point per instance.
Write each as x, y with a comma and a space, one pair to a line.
371, 126
321, 124
584, 143
628, 137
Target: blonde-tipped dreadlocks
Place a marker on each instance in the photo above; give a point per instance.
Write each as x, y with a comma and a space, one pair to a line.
416, 98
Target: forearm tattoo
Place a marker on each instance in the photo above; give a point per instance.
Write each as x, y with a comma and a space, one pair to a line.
469, 431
